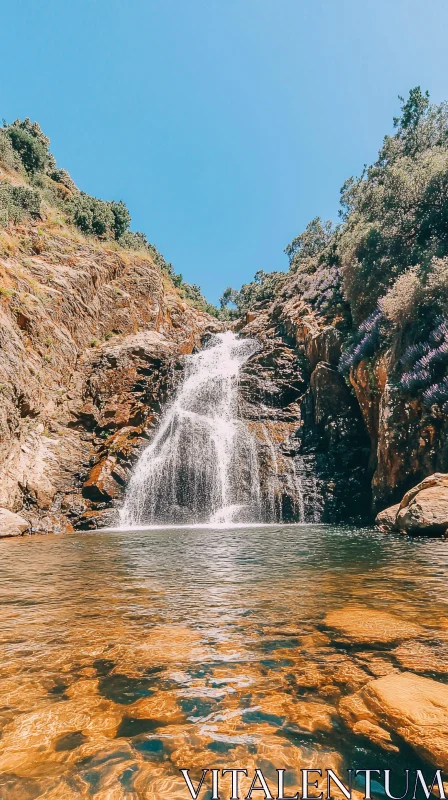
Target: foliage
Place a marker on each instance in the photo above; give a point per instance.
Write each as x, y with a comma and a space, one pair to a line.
92, 215
364, 342
262, 289
31, 144
122, 218
16, 202
309, 244
396, 214
63, 177
8, 156
384, 268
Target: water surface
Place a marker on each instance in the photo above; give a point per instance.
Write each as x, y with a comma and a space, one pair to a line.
127, 655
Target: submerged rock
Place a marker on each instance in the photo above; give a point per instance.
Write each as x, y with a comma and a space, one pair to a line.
410, 706
419, 657
368, 626
12, 524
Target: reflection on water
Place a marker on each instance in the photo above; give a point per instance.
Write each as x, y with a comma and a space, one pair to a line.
128, 655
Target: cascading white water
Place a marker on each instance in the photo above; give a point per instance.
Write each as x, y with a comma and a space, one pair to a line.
202, 465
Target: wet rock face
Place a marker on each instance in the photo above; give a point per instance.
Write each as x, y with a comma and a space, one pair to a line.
313, 445
407, 441
423, 509
333, 430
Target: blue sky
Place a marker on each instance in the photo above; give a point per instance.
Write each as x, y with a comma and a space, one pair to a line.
225, 125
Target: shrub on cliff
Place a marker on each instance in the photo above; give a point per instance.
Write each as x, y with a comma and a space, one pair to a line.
262, 289
16, 202
9, 158
63, 177
31, 144
98, 217
122, 218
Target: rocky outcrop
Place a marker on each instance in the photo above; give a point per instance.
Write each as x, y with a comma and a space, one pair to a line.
423, 510
90, 341
407, 440
314, 448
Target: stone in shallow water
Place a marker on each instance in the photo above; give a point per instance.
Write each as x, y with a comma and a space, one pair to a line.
409, 706
161, 707
419, 657
28, 742
358, 717
307, 715
366, 625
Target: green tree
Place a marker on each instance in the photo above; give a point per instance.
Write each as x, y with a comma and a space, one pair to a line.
122, 218
229, 296
310, 243
28, 139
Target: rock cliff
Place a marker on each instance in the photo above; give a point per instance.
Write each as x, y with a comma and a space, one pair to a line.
90, 335
314, 446
358, 441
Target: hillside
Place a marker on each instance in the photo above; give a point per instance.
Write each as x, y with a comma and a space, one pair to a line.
90, 332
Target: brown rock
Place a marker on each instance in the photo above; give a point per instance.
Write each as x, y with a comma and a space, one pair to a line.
358, 717
414, 708
325, 346
12, 524
54, 523
89, 415
366, 625
161, 707
427, 511
438, 479
93, 520
329, 390
386, 520
101, 486
419, 657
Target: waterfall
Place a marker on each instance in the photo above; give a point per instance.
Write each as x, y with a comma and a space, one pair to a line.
202, 465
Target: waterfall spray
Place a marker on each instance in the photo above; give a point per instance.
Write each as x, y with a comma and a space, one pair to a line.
202, 464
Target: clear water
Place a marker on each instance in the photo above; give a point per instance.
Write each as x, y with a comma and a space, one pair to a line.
127, 655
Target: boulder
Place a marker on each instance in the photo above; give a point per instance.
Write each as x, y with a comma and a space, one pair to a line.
368, 626
408, 706
426, 512
438, 479
386, 520
12, 524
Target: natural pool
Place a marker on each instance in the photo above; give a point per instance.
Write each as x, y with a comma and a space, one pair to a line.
127, 655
